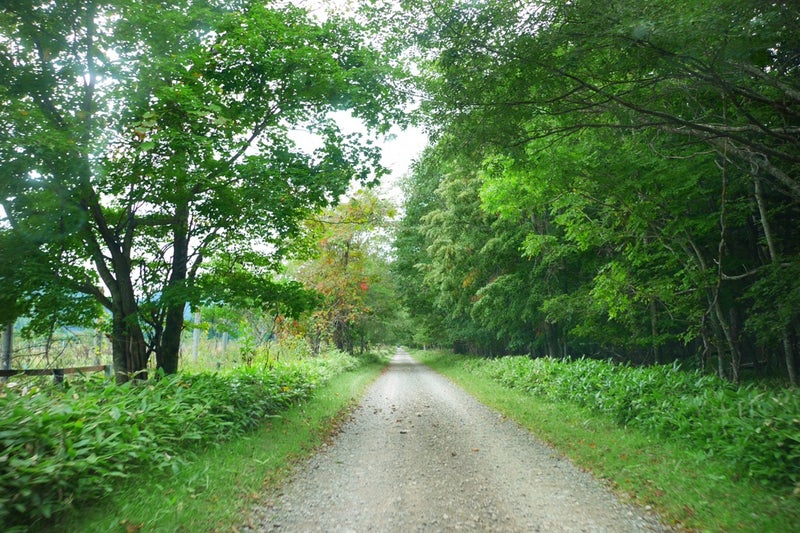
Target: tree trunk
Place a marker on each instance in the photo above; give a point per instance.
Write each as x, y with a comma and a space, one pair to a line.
717, 344
788, 351
654, 332
714, 312
315, 340
128, 347
168, 350
717, 308
341, 336
728, 339
551, 338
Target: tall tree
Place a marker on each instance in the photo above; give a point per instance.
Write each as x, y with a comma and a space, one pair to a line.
460, 267
146, 137
411, 258
346, 271
709, 87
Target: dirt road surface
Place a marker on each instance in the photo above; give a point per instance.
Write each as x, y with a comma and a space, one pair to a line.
420, 454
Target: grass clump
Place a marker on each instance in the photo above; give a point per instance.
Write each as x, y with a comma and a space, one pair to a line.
65, 445
755, 430
216, 489
684, 480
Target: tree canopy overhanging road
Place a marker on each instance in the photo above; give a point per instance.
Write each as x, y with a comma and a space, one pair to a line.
618, 180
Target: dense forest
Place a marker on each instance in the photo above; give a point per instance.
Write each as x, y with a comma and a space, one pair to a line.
611, 191
610, 179
150, 159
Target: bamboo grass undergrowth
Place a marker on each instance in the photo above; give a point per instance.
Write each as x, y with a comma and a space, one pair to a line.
687, 488
216, 490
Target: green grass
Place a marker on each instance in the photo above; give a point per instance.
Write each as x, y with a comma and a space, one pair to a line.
685, 487
217, 488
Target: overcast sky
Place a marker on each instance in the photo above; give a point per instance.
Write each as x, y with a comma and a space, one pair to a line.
402, 147
399, 149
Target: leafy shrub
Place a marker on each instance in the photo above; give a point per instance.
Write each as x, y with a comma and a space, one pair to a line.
757, 431
63, 445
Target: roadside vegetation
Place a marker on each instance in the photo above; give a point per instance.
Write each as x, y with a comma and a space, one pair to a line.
704, 455
216, 486
612, 179
617, 180
66, 446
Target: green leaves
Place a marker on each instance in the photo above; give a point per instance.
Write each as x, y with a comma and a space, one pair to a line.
61, 447
349, 273
756, 431
247, 290
161, 134
621, 139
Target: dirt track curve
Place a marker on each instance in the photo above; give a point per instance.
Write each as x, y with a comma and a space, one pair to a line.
420, 454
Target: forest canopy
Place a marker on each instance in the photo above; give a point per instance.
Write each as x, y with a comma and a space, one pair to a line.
611, 179
615, 179
147, 158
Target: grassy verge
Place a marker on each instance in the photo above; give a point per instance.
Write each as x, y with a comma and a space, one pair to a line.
685, 487
215, 491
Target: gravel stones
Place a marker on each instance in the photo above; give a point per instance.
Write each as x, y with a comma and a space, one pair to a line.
420, 454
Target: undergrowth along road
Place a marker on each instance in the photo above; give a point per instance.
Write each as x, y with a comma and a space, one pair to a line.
688, 487
213, 490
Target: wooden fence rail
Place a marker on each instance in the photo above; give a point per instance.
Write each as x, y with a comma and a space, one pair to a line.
58, 373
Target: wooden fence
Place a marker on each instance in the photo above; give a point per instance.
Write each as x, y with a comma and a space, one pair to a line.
58, 373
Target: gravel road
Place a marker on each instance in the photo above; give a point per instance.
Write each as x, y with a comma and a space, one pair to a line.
420, 454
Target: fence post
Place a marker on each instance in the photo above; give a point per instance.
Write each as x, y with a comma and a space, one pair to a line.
196, 337
98, 345
58, 375
8, 345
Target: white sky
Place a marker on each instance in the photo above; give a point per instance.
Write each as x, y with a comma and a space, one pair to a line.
398, 154
401, 147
